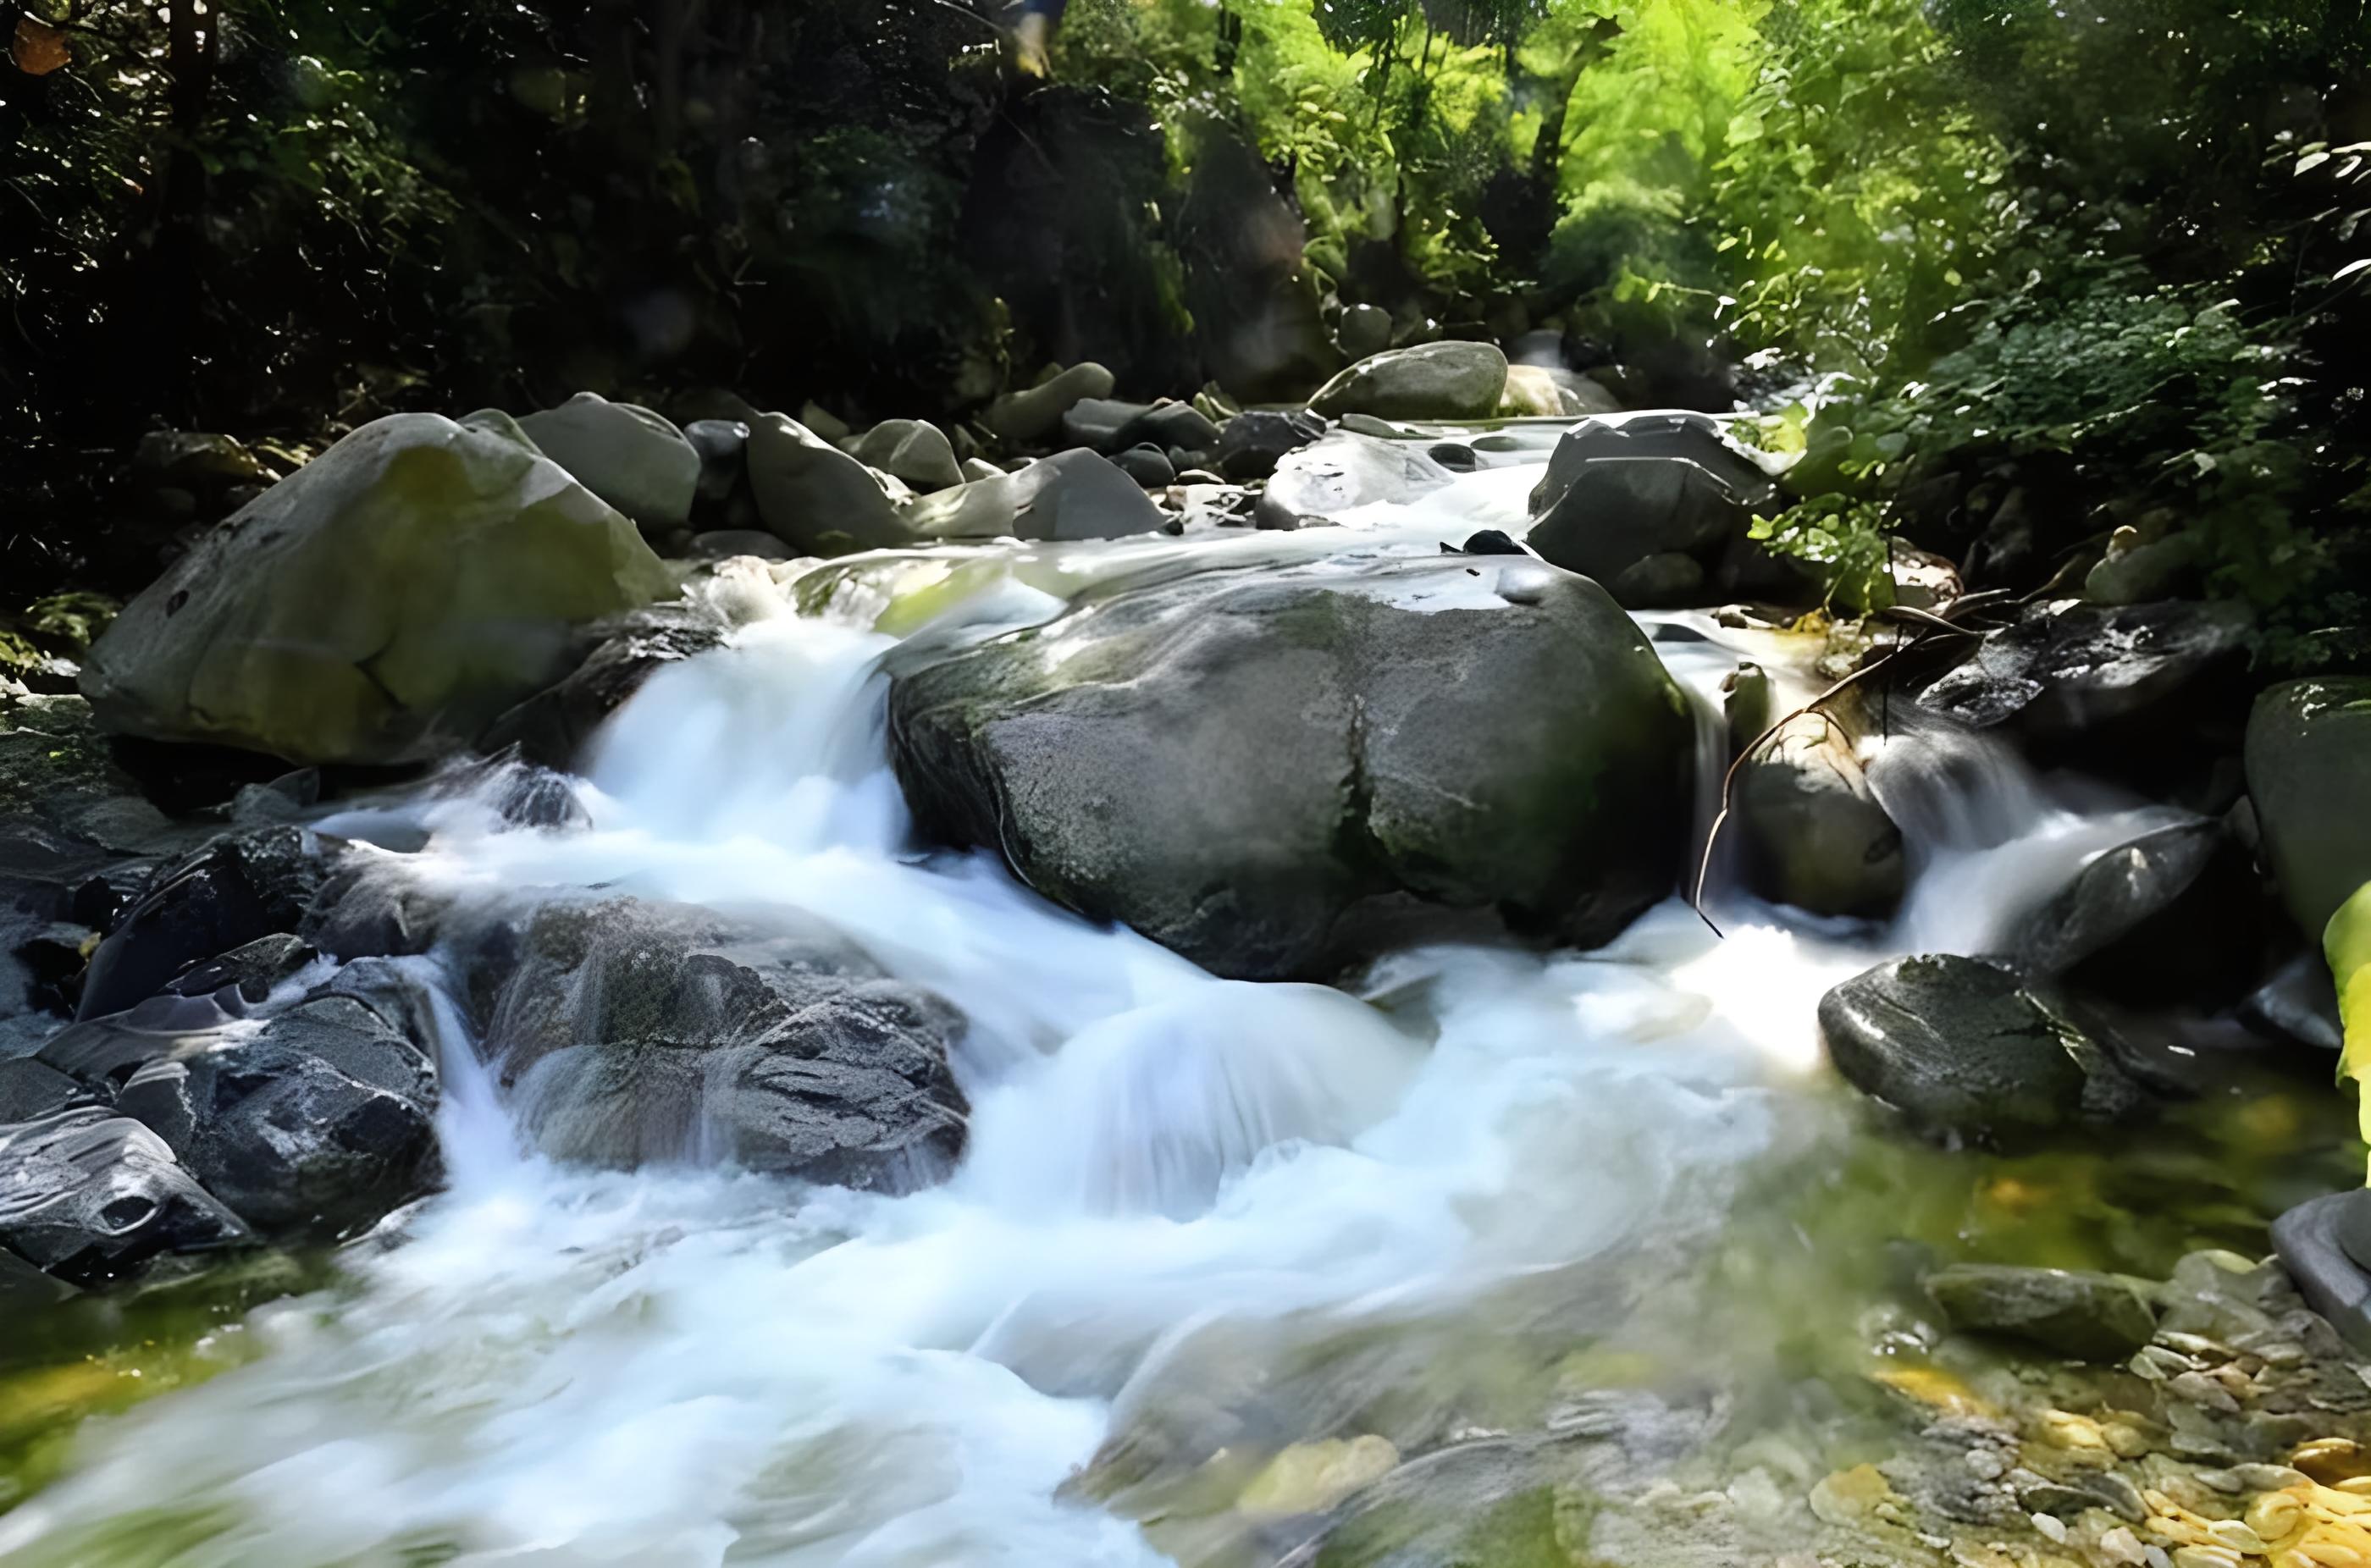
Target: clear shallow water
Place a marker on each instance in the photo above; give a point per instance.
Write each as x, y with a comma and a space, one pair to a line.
693, 1367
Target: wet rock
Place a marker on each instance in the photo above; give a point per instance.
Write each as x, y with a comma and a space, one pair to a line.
1026, 419
1364, 331
1959, 1049
1148, 465
723, 543
2309, 758
59, 780
1454, 455
517, 792
2092, 1317
381, 605
1252, 443
913, 450
1668, 577
242, 886
1490, 541
611, 660
636, 460
1096, 422
637, 1031
1319, 481
316, 1121
1258, 772
1810, 830
1430, 381
2172, 912
30, 1088
813, 496
2299, 1002
722, 446
1171, 425
1619, 495
246, 975
1071, 495
1551, 392
2065, 668
2311, 1241
90, 1198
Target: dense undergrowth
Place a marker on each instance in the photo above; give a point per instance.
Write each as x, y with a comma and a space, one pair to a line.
2028, 281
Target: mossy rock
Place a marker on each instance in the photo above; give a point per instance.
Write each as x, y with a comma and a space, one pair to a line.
381, 605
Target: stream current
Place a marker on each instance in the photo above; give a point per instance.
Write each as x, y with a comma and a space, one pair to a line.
1180, 1193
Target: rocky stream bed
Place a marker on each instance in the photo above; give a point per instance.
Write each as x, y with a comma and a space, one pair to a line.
1366, 984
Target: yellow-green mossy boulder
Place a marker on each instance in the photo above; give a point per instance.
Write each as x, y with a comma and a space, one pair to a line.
380, 605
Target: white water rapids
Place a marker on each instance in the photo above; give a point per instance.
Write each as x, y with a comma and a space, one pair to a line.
676, 1368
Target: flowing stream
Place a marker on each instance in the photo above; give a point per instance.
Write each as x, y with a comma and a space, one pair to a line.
1179, 1190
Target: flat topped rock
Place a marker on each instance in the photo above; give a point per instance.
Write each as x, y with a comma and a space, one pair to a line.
2092, 1317
1962, 1050
2065, 667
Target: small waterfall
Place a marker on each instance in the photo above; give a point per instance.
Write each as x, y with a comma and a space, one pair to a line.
1989, 841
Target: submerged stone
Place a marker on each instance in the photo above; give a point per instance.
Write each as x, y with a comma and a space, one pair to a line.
2093, 1317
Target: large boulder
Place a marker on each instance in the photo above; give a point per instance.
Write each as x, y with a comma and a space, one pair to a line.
1962, 1050
380, 605
1431, 381
1317, 482
636, 460
1265, 770
1811, 832
1071, 495
635, 1032
2067, 668
90, 1197
2308, 757
1654, 506
815, 497
313, 1122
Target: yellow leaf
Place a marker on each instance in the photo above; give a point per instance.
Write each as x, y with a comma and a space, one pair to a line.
2346, 942
39, 48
